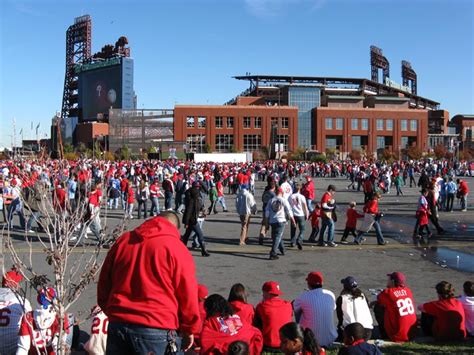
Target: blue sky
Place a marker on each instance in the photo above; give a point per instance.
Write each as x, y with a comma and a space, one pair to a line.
187, 51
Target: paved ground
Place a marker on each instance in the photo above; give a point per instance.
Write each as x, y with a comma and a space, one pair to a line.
369, 263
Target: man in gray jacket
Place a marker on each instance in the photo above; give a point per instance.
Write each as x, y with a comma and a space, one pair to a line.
246, 206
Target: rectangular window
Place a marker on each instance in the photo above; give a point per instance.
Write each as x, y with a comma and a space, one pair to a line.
380, 142
389, 125
285, 122
339, 123
354, 124
404, 125
196, 142
224, 142
219, 122
246, 122
258, 122
252, 142
202, 122
356, 142
365, 124
282, 141
404, 142
413, 125
190, 122
379, 124
331, 143
328, 123
230, 122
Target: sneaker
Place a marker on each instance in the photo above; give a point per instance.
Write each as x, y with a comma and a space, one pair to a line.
332, 244
274, 257
72, 239
344, 242
357, 242
226, 210
30, 231
292, 245
321, 244
300, 246
384, 243
464, 210
205, 253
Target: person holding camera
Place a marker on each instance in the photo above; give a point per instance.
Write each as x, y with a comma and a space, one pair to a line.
372, 219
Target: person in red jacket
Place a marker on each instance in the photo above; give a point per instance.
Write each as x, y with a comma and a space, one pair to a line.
238, 301
463, 190
351, 222
422, 224
222, 327
308, 192
271, 314
395, 310
148, 289
372, 219
445, 318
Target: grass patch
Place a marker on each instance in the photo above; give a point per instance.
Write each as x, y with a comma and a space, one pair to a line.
466, 347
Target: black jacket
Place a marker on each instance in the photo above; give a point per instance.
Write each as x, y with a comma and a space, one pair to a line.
192, 206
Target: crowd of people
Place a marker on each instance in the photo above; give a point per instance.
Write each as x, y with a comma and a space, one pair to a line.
197, 190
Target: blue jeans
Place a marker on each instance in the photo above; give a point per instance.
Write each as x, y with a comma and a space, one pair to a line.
168, 199
35, 216
136, 339
221, 200
327, 223
301, 222
378, 232
277, 234
155, 207
310, 205
16, 206
113, 203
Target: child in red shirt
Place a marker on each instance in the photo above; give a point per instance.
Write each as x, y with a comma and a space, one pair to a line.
314, 216
351, 222
422, 221
130, 201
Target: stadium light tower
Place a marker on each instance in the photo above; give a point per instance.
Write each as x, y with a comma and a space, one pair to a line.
409, 76
378, 61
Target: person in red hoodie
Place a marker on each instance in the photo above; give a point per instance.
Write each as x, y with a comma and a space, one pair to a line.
222, 327
148, 289
238, 301
271, 314
351, 222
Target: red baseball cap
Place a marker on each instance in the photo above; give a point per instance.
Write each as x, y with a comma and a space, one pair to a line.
11, 279
280, 190
398, 278
315, 278
272, 287
202, 291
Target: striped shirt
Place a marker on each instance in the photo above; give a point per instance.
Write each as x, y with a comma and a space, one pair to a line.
314, 309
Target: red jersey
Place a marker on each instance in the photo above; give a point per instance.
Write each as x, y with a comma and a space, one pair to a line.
44, 339
244, 310
59, 198
154, 190
124, 184
372, 207
130, 195
422, 215
94, 197
352, 216
271, 315
449, 316
220, 189
400, 316
326, 198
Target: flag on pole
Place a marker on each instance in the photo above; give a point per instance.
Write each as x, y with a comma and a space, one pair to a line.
21, 131
38, 126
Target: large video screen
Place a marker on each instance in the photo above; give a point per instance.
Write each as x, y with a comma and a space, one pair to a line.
100, 89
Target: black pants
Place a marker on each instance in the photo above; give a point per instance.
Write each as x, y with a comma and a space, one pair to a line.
379, 313
435, 222
427, 322
449, 202
346, 232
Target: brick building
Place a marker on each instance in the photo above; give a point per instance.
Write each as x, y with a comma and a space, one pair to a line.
370, 124
241, 127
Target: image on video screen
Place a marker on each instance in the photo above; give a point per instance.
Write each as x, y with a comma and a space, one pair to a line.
101, 89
